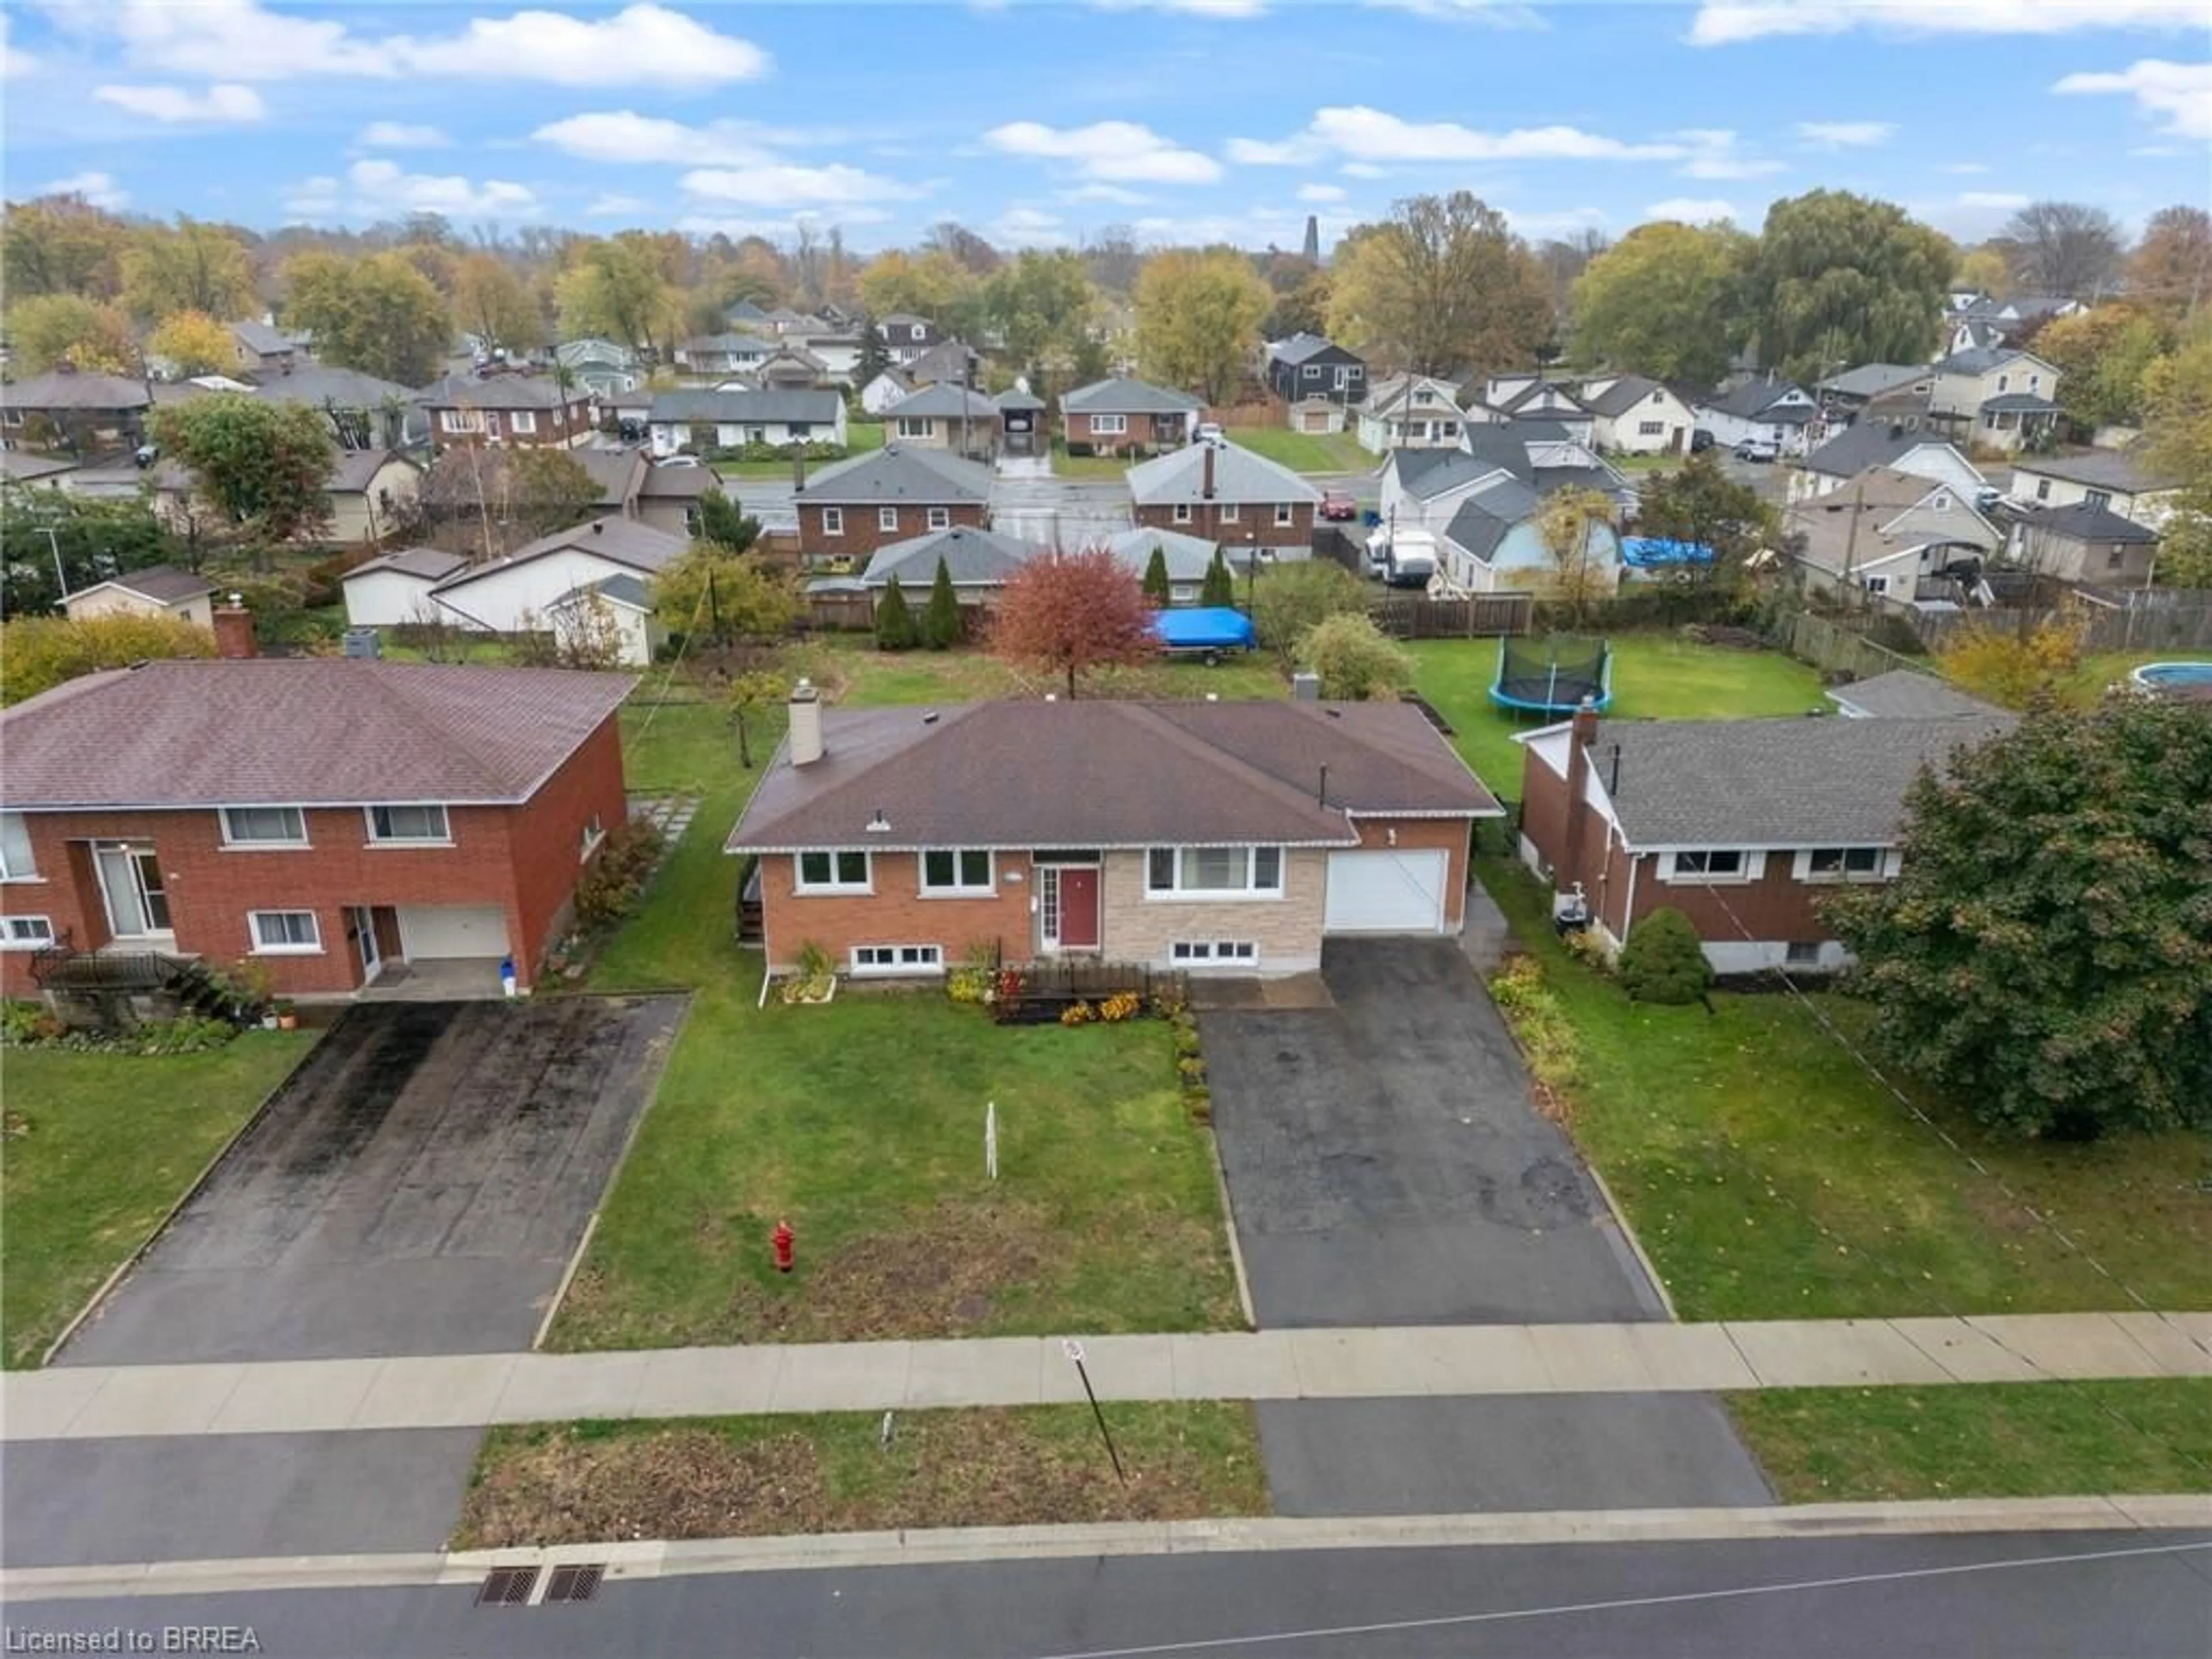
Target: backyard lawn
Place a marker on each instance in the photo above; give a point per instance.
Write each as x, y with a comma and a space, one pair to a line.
1654, 676
575, 1483
862, 1123
100, 1147
1995, 1440
1768, 1176
852, 671
1305, 451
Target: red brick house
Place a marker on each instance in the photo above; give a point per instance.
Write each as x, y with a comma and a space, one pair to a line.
852, 508
1230, 837
335, 821
1121, 417
1221, 493
1744, 826
529, 410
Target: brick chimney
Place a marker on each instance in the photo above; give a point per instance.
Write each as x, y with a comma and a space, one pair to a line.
805, 711
1579, 740
233, 630
1205, 485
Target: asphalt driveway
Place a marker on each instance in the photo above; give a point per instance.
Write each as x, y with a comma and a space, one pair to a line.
416, 1187
1387, 1164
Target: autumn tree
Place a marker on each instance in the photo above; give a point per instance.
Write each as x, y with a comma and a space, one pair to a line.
1040, 305
2068, 250
2171, 271
39, 652
2178, 429
492, 302
1071, 612
1198, 319
2044, 954
1698, 503
62, 244
1356, 662
1836, 279
875, 355
524, 493
1576, 525
1662, 302
2013, 669
1292, 598
713, 596
2102, 357
264, 467
189, 267
48, 330
1441, 287
750, 692
942, 626
195, 342
379, 314
616, 287
1985, 270
1301, 304
933, 284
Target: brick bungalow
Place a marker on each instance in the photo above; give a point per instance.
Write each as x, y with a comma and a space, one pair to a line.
1221, 493
337, 822
1231, 836
531, 411
1744, 826
852, 508
1121, 417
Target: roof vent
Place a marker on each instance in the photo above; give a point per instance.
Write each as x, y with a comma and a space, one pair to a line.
930, 719
879, 825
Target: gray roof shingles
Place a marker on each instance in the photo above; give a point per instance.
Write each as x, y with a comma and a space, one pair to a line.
1239, 475
1908, 694
1122, 396
2090, 521
973, 557
616, 539
897, 473
776, 406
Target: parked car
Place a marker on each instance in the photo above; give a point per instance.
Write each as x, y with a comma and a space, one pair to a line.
1209, 431
1986, 497
674, 463
1339, 504
1701, 440
1758, 449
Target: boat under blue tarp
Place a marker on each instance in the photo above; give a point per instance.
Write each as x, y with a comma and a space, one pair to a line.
1204, 629
1655, 553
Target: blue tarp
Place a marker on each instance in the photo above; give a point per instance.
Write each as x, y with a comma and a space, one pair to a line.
1650, 553
1205, 630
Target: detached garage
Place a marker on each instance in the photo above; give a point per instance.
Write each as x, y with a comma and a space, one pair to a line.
439, 932
1398, 891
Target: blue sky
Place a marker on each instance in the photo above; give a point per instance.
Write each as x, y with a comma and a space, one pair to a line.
1040, 123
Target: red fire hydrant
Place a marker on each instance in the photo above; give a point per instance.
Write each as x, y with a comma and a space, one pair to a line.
782, 1238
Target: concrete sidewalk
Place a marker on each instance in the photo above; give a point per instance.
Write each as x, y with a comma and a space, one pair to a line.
467, 1390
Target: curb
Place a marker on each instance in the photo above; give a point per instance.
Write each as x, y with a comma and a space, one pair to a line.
650, 1558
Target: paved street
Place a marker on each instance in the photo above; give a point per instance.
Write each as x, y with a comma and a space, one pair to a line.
1387, 1164
1066, 511
2024, 1596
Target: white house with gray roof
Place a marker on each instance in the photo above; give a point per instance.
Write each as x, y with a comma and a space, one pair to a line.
692, 421
978, 562
2112, 478
1920, 451
518, 594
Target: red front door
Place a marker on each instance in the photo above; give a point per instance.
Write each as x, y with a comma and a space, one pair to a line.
1079, 909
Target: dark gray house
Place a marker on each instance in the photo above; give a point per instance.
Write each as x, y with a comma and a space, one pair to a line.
1306, 366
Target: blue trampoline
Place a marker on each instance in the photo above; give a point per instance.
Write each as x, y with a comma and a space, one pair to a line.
1553, 676
1209, 633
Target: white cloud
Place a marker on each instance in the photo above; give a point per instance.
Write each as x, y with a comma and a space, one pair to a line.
1967, 170
1713, 154
1321, 193
1254, 227
1691, 209
1364, 170
1494, 14
790, 184
377, 189
1119, 195
1028, 227
643, 45
2179, 93
626, 136
226, 102
1566, 221
1373, 136
612, 203
98, 188
1108, 150
1846, 135
314, 198
1723, 23
400, 135
2002, 200
13, 61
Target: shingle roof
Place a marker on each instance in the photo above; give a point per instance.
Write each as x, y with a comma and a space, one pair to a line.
1773, 783
1388, 396
323, 386
1122, 396
1188, 557
355, 469
614, 538
2100, 469
67, 388
430, 564
615, 472
1426, 474
23, 467
1019, 398
678, 483
1299, 347
2087, 521
265, 339
1869, 443
974, 558
1908, 694
1872, 379
756, 345
945, 361
626, 591
1618, 398
1752, 400
1099, 773
1488, 516
1878, 496
897, 473
163, 583
1239, 475
1976, 360
940, 402
497, 392
2018, 403
774, 406
304, 731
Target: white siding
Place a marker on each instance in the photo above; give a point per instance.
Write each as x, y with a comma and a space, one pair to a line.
386, 599
518, 598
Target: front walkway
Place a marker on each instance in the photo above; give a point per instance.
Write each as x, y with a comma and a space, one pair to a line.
94, 1402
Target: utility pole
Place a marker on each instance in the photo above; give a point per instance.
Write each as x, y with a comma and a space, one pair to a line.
1851, 537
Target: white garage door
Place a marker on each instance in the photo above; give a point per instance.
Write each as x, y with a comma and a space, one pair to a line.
429, 932
1386, 892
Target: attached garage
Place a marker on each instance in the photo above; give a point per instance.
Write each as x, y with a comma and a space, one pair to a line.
1398, 891
432, 933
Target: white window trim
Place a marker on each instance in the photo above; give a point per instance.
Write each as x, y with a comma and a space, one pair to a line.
594, 833
11, 940
941, 518
368, 817
463, 420
887, 519
520, 421
30, 875
253, 934
896, 969
1180, 894
915, 425
1286, 515
1754, 868
1231, 512
251, 844
1108, 426
833, 521
1181, 514
799, 883
1801, 867
927, 889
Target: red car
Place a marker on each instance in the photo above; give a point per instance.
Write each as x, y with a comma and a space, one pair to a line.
1339, 504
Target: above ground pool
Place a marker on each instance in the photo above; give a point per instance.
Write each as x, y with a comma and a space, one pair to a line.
2195, 677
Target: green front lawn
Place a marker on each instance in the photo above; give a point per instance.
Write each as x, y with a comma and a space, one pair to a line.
1768, 1176
852, 671
1995, 1440
862, 1123
1065, 466
860, 437
1305, 451
100, 1148
710, 1477
1654, 676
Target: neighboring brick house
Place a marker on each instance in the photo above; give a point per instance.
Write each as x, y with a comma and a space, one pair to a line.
1227, 494
1232, 837
526, 409
1744, 826
69, 408
1121, 416
852, 508
333, 821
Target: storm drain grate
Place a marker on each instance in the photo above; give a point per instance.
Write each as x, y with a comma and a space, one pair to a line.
506, 1587
576, 1583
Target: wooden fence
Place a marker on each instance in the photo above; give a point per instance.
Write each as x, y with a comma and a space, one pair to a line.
1834, 648
1417, 617
2170, 627
835, 612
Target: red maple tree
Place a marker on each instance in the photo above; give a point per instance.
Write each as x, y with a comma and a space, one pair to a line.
1072, 612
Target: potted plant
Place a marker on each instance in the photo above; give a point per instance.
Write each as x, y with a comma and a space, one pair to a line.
287, 1014
816, 978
